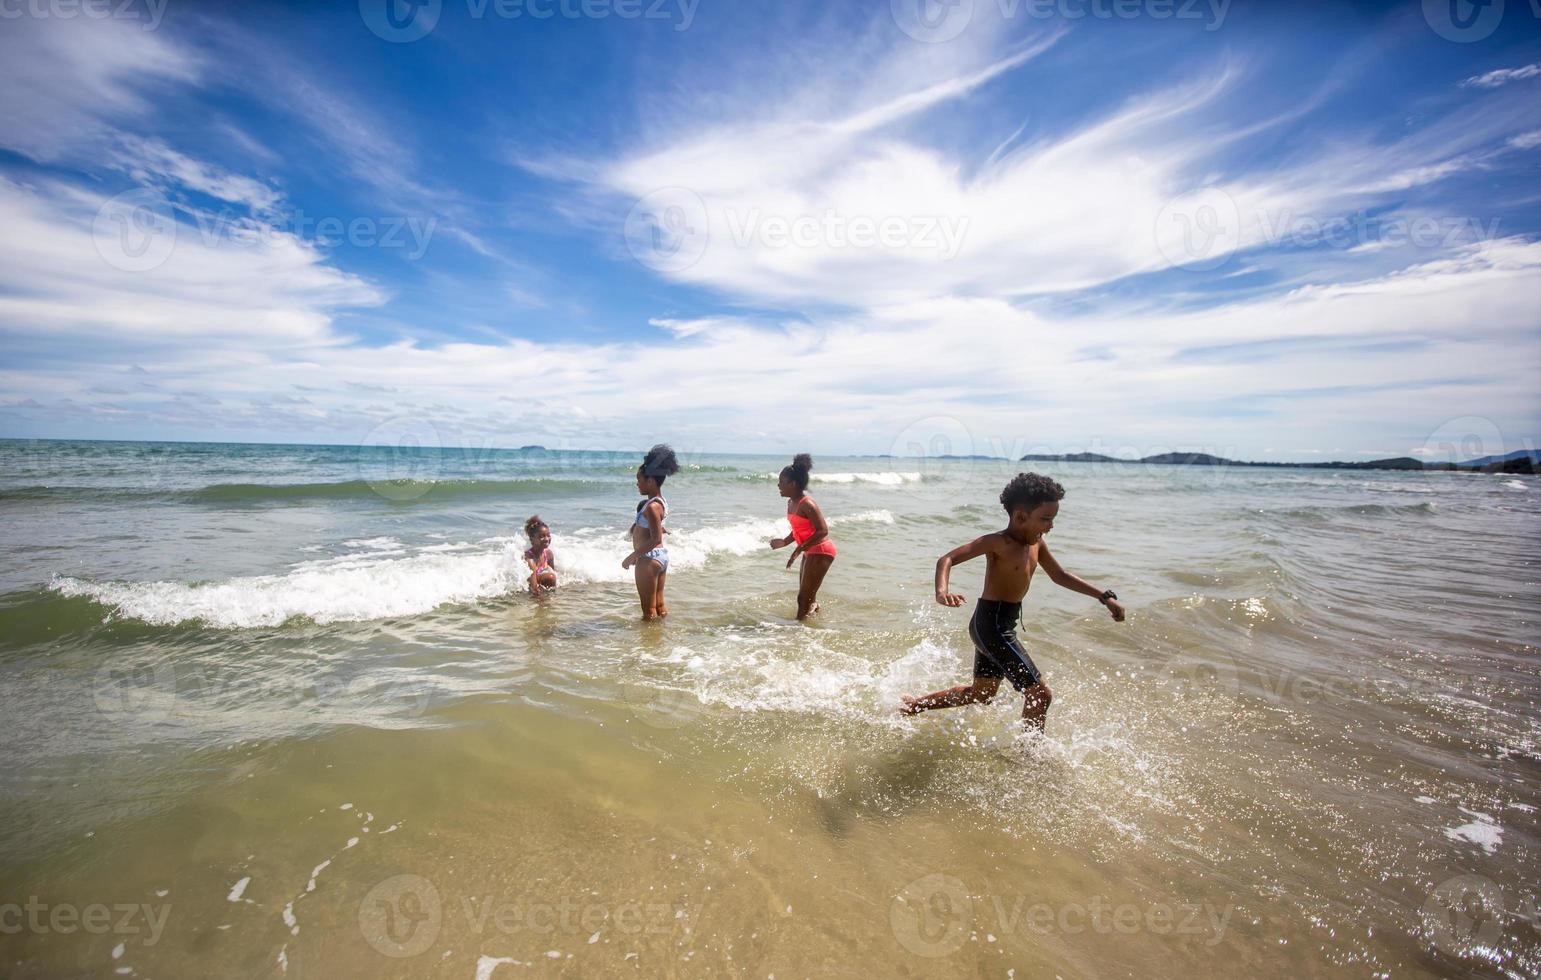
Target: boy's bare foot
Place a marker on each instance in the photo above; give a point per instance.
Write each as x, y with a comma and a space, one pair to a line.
909, 705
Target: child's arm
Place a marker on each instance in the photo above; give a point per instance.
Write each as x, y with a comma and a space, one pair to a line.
811, 511
1075, 583
975, 548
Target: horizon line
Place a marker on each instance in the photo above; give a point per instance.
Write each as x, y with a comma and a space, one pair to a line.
1530, 447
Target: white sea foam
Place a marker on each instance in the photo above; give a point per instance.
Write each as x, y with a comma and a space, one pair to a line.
383, 585
1515, 484
1483, 831
884, 479
327, 591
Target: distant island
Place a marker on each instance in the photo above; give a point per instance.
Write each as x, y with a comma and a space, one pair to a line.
1519, 461
533, 449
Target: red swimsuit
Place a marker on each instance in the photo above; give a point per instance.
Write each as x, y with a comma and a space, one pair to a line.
802, 530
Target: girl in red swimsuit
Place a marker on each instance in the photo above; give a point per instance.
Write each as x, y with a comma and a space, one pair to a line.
809, 530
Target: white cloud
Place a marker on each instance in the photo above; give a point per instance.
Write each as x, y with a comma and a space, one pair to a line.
61, 273
1503, 76
64, 87
1064, 212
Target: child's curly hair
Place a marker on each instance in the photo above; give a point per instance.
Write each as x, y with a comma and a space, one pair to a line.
532, 524
659, 463
798, 472
1028, 490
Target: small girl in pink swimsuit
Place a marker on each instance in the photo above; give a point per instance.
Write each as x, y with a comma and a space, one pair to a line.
538, 557
809, 530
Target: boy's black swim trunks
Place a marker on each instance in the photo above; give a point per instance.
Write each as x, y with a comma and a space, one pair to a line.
997, 652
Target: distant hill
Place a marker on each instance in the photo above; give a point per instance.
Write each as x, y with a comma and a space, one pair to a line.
1520, 461
1534, 455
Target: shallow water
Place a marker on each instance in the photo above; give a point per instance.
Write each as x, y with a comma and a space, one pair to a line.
280, 711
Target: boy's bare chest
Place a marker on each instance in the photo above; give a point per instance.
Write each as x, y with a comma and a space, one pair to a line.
1016, 561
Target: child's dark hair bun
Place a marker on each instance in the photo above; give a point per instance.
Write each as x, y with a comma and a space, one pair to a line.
660, 462
533, 523
797, 471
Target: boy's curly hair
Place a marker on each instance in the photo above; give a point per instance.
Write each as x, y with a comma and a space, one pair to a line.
531, 524
1028, 490
659, 463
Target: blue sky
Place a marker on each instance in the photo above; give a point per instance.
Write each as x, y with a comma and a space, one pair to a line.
993, 226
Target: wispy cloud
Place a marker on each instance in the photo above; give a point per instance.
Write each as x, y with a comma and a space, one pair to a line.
1503, 76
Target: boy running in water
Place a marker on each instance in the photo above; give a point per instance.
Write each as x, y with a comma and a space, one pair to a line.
1011, 555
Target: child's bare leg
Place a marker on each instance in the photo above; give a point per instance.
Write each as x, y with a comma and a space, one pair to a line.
979, 692
811, 576
546, 580
663, 579
646, 573
1035, 705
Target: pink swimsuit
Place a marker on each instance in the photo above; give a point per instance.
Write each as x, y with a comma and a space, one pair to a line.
802, 530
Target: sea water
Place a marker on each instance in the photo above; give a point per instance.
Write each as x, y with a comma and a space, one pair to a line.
285, 710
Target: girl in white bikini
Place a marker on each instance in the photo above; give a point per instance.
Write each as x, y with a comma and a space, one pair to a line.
649, 558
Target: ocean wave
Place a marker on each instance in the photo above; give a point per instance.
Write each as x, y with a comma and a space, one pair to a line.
884, 479
377, 580
395, 491
1371, 510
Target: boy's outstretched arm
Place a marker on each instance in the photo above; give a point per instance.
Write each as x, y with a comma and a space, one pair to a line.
944, 564
1075, 583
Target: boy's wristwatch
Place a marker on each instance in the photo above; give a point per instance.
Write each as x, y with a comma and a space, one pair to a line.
1109, 594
